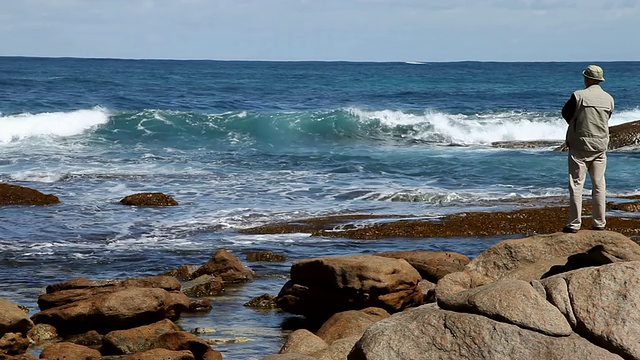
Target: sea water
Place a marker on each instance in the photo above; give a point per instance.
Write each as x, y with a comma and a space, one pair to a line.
242, 144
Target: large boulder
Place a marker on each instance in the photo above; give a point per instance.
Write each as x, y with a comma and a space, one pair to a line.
603, 304
13, 318
69, 351
432, 265
541, 256
135, 340
125, 308
20, 195
78, 289
428, 332
322, 287
227, 266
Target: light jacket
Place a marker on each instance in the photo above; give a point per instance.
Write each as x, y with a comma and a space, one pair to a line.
589, 127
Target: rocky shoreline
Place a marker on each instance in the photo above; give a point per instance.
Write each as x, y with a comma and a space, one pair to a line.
559, 295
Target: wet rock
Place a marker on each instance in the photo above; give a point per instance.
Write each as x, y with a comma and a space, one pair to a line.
626, 206
623, 135
227, 266
164, 354
184, 272
149, 199
266, 256
199, 305
19, 195
264, 301
42, 332
304, 342
89, 339
204, 285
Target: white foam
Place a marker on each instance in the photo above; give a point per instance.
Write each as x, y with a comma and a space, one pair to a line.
56, 124
479, 129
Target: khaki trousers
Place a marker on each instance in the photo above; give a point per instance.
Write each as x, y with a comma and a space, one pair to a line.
595, 163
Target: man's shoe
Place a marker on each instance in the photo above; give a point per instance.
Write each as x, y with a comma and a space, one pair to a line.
567, 229
597, 228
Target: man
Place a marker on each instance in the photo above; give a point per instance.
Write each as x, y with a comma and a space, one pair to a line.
587, 112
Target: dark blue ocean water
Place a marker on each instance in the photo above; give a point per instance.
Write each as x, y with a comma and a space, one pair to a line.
240, 144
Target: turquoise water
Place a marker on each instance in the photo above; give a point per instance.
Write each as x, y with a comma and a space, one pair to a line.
241, 144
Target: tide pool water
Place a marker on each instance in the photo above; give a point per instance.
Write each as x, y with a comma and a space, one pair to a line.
242, 144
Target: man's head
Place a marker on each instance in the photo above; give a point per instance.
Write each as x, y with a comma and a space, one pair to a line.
593, 74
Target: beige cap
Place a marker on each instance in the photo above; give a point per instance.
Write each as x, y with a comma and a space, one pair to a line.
594, 72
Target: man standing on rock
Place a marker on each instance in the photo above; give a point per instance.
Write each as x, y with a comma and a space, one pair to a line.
587, 112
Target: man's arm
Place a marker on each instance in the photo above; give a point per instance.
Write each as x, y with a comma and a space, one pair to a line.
569, 108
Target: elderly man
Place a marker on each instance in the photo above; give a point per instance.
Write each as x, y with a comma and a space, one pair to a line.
587, 112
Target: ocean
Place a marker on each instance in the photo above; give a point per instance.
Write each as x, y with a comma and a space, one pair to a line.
242, 144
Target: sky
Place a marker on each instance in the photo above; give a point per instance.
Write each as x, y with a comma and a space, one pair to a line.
327, 30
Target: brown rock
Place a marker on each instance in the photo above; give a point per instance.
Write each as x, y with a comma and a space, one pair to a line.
18, 195
13, 343
338, 349
626, 206
161, 354
149, 199
42, 332
121, 309
264, 301
89, 339
199, 305
182, 340
322, 287
432, 265
82, 288
512, 301
204, 285
69, 351
289, 356
303, 341
18, 357
255, 256
627, 134
226, 265
184, 272
13, 318
350, 323
137, 339
428, 333
605, 302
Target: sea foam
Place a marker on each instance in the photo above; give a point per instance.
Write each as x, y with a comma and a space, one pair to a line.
54, 124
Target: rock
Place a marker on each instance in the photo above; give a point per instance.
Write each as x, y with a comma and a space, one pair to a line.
135, 340
13, 343
18, 357
126, 308
541, 256
339, 349
432, 265
264, 301
255, 256
512, 301
304, 342
605, 303
69, 351
184, 272
19, 195
322, 287
227, 266
149, 199
42, 332
89, 339
163, 354
204, 285
350, 323
82, 288
633, 206
199, 305
182, 340
627, 134
13, 318
289, 356
427, 333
